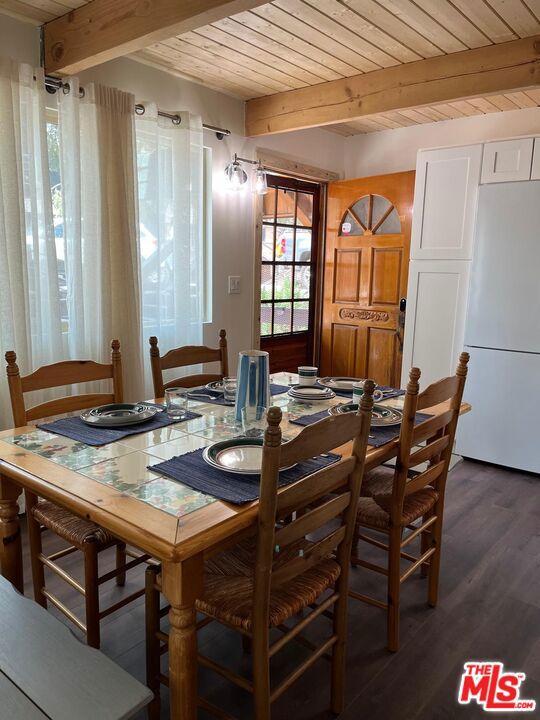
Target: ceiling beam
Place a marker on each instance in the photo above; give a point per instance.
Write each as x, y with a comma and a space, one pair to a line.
106, 29
472, 73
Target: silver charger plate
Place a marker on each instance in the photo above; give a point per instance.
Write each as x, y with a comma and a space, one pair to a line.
118, 415
382, 416
216, 386
339, 383
242, 456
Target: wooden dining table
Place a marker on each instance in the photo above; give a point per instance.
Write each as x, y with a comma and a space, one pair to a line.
114, 486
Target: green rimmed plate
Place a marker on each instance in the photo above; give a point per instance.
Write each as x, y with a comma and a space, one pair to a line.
382, 416
237, 455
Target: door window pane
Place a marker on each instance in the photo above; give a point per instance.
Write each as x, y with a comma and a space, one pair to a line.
282, 317
303, 245
267, 276
269, 205
284, 244
302, 280
304, 209
267, 242
301, 316
283, 283
286, 202
266, 318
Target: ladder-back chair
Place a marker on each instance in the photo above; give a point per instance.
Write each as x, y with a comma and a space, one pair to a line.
270, 578
81, 534
183, 357
393, 500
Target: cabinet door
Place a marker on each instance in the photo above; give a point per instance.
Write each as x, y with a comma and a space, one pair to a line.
507, 160
435, 322
535, 174
445, 203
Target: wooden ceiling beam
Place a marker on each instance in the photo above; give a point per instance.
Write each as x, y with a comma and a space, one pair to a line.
106, 29
499, 68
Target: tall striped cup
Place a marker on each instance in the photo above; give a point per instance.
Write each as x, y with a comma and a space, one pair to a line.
253, 378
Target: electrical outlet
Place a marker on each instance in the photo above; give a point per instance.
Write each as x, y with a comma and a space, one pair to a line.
234, 285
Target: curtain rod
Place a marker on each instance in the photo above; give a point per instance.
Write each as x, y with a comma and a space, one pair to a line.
53, 84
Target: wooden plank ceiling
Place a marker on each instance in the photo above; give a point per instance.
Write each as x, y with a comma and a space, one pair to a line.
290, 44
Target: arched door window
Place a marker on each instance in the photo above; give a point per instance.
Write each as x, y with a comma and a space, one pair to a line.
371, 215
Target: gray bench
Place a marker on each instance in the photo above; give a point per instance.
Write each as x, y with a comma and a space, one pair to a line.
46, 673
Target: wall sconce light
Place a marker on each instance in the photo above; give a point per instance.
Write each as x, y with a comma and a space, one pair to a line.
237, 176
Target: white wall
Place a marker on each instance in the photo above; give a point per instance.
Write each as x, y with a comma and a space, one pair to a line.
233, 213
395, 150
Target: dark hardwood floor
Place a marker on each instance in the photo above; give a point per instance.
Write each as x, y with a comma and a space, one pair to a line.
489, 609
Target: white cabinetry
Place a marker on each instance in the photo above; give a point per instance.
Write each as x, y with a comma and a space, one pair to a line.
445, 203
507, 160
535, 172
436, 307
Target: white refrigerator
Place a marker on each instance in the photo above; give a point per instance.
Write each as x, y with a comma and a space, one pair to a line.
502, 332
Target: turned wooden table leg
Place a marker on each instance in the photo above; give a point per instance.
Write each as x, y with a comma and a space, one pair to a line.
182, 583
11, 565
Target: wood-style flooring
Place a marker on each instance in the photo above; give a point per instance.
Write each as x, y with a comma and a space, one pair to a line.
489, 609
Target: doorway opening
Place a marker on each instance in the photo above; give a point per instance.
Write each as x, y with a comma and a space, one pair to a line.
289, 256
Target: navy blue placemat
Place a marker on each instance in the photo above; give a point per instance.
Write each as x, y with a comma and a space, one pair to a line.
215, 397
75, 429
378, 435
192, 470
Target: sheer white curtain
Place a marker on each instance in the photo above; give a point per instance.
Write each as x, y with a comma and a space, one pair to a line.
97, 163
30, 317
170, 174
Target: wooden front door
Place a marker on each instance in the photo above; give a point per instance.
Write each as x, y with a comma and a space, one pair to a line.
366, 266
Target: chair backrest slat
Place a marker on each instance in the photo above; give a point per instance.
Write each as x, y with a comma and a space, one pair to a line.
429, 451
301, 563
424, 478
278, 558
323, 482
312, 520
438, 392
431, 427
184, 357
61, 374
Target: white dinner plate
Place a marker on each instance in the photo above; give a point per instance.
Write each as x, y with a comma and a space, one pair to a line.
311, 393
382, 416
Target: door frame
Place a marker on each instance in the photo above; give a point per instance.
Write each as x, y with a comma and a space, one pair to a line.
281, 165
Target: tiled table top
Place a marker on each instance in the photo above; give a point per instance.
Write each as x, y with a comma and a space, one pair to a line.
125, 465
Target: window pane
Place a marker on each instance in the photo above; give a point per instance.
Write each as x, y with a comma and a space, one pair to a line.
282, 317
268, 243
266, 319
349, 226
283, 284
301, 316
304, 211
285, 207
303, 246
361, 210
302, 278
284, 244
266, 282
269, 205
391, 225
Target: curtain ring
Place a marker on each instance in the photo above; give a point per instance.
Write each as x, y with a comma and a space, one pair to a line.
176, 120
66, 88
140, 109
82, 92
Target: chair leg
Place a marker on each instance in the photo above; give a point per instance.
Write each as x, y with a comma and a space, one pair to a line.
339, 650
394, 571
261, 673
435, 560
152, 641
91, 593
425, 543
34, 538
121, 560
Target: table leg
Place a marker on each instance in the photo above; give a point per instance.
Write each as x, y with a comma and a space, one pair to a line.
11, 565
182, 583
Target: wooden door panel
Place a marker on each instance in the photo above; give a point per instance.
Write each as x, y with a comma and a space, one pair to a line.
381, 355
386, 276
348, 264
366, 268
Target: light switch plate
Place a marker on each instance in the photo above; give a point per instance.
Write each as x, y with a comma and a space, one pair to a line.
234, 284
